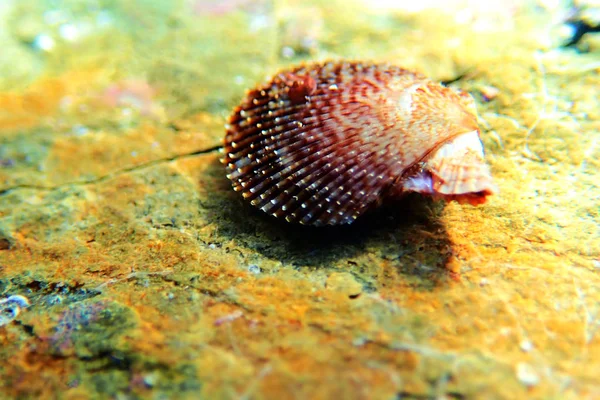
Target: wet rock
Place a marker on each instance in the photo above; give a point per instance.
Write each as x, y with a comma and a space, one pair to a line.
345, 283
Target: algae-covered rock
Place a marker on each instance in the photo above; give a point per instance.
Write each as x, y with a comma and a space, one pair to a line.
147, 276
91, 328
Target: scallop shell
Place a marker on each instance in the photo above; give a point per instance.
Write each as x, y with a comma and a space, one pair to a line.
321, 144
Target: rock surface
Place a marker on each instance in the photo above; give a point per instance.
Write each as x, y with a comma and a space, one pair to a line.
148, 277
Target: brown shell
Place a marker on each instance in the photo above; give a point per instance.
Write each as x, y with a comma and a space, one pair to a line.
321, 144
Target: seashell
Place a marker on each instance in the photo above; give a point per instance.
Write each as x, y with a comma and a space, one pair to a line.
321, 144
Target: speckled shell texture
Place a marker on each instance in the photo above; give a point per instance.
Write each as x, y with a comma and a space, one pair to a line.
321, 144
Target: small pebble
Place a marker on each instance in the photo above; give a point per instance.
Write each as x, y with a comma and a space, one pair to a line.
489, 93
254, 269
44, 42
526, 346
11, 307
54, 299
80, 130
21, 301
194, 296
527, 375
287, 52
150, 379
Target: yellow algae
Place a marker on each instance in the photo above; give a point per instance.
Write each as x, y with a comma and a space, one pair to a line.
103, 203
42, 99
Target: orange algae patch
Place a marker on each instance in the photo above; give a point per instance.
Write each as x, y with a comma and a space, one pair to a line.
276, 294
103, 152
26, 109
522, 297
38, 374
72, 158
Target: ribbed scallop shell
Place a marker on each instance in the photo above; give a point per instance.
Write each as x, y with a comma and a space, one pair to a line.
323, 143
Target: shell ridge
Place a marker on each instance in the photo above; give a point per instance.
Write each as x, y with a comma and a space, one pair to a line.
292, 135
317, 173
309, 196
253, 135
304, 193
246, 147
324, 149
334, 179
353, 193
319, 177
290, 175
306, 162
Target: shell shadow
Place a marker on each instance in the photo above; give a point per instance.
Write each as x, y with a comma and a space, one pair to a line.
408, 233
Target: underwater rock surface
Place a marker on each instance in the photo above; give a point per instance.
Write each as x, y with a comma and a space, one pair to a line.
142, 274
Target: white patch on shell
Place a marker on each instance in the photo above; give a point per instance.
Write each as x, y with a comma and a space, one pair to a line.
405, 102
460, 144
